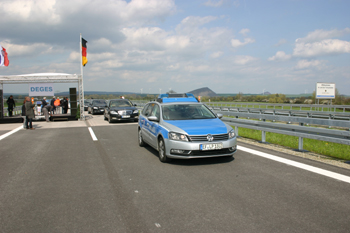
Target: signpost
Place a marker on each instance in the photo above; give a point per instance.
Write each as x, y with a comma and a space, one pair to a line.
325, 91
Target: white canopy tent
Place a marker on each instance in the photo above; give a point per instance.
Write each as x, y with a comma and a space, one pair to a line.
48, 78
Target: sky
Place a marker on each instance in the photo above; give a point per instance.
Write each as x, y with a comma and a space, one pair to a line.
153, 46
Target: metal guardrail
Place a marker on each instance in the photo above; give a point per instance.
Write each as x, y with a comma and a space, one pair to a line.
294, 113
17, 111
329, 135
311, 107
289, 119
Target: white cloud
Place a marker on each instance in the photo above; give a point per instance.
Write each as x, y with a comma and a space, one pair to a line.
321, 34
303, 64
32, 49
237, 43
243, 60
280, 56
33, 11
190, 23
216, 54
173, 67
324, 47
244, 31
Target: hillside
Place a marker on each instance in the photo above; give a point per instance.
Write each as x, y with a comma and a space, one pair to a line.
204, 91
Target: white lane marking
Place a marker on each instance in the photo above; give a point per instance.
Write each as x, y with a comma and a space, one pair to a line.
298, 165
94, 138
11, 132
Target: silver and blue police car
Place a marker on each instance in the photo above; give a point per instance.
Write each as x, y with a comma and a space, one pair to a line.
180, 127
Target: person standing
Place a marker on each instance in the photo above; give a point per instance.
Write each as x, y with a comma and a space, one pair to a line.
43, 102
52, 103
46, 110
10, 105
57, 105
24, 114
29, 113
64, 104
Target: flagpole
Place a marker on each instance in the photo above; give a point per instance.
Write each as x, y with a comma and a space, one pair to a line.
81, 88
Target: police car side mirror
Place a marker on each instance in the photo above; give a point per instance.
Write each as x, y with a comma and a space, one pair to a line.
219, 115
152, 118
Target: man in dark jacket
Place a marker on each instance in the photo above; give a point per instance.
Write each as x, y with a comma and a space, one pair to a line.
29, 113
10, 104
64, 104
52, 103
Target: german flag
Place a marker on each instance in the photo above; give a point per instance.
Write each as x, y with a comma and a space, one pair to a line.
83, 49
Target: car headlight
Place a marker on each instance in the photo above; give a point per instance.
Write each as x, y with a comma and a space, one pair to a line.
95, 107
136, 111
178, 137
113, 112
231, 134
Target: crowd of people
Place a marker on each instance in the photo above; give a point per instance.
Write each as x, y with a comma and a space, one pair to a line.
48, 108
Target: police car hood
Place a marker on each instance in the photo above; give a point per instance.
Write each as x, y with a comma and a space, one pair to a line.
198, 127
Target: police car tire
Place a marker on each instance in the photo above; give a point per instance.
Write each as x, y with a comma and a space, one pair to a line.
140, 139
161, 149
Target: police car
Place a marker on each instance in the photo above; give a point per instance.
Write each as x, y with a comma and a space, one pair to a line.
180, 127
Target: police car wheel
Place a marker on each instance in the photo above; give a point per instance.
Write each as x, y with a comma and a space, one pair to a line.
141, 142
161, 149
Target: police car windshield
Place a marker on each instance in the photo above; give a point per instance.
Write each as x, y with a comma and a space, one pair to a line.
186, 112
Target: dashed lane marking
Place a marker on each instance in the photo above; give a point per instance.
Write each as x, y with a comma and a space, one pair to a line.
94, 138
11, 132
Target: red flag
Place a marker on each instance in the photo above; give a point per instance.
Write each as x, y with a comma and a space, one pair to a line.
4, 61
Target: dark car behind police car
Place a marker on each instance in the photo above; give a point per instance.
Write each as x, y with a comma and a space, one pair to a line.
121, 110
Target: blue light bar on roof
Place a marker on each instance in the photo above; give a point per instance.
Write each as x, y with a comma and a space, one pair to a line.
181, 99
175, 97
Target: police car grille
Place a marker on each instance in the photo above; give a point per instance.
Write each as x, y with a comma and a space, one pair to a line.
202, 138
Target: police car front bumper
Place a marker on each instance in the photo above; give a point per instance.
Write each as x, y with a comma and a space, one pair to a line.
189, 150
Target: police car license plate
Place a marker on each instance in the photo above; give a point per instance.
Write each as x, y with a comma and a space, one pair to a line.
211, 146
126, 116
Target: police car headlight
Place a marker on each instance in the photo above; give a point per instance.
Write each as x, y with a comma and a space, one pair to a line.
114, 112
136, 111
95, 107
178, 137
231, 134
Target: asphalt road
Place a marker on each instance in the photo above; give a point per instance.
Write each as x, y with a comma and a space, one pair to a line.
57, 179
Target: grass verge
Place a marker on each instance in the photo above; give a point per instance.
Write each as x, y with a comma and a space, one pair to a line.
331, 149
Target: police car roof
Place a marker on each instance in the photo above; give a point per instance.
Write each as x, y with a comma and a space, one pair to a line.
176, 97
